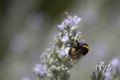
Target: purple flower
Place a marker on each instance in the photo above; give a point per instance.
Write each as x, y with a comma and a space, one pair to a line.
107, 75
61, 26
40, 69
72, 21
65, 38
76, 19
62, 52
114, 62
68, 21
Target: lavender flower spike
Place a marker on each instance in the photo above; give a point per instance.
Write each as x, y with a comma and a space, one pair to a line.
40, 70
56, 61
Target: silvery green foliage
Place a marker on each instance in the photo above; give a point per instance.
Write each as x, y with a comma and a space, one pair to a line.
107, 72
55, 61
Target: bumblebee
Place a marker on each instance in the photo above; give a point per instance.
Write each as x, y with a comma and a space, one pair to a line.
78, 50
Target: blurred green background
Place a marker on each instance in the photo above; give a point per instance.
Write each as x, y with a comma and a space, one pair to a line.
27, 27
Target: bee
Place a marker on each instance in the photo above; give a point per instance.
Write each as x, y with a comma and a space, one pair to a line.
78, 50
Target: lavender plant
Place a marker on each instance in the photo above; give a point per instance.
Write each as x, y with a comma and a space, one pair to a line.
55, 61
107, 72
